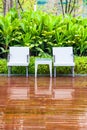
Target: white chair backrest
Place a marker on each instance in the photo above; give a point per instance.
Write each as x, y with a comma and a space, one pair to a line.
63, 54
19, 54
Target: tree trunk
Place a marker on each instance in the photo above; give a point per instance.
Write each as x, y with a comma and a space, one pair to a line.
68, 6
7, 4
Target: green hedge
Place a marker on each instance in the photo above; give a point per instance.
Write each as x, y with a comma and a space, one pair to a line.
80, 67
41, 31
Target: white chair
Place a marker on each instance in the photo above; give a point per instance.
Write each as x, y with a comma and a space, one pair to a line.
18, 56
63, 56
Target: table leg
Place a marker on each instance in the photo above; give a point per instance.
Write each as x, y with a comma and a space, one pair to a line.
36, 67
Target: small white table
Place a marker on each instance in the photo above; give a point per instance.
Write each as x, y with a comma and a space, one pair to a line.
43, 61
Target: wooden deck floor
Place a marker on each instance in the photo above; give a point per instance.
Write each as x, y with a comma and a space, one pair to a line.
43, 103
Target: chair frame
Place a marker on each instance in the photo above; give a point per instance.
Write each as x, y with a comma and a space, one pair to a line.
9, 64
72, 64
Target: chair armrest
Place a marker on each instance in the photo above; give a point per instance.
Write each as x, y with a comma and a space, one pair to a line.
28, 59
53, 58
8, 57
73, 57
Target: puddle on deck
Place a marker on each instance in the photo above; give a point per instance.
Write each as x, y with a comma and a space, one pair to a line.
43, 103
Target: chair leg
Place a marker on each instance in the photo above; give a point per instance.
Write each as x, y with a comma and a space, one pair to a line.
9, 71
50, 67
72, 71
26, 71
54, 71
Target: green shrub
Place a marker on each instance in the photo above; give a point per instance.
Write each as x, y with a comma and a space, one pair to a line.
41, 31
3, 66
81, 65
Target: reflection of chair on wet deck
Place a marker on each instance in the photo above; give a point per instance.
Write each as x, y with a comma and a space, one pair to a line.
63, 94
18, 88
43, 87
18, 93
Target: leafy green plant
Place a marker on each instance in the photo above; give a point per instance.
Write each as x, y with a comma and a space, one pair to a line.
5, 31
7, 27
81, 65
41, 31
3, 66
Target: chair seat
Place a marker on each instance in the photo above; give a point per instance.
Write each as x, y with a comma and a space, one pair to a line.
64, 64
17, 64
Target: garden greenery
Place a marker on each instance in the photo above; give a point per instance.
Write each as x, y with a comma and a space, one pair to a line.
41, 31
